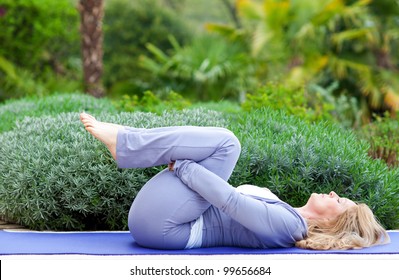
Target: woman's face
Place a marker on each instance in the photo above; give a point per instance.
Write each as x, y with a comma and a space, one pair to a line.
326, 206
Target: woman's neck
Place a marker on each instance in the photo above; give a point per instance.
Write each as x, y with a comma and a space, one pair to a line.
303, 211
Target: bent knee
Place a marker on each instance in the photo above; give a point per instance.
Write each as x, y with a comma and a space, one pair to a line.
232, 143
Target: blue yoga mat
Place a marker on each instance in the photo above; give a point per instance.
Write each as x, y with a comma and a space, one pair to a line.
122, 243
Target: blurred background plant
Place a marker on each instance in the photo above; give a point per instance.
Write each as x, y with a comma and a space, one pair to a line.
212, 50
293, 101
39, 51
383, 136
305, 42
208, 69
128, 27
149, 102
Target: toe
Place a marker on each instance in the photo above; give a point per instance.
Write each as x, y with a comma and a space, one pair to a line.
84, 116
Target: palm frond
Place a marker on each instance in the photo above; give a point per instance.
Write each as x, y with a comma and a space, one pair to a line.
392, 99
341, 67
367, 33
249, 9
157, 52
7, 67
225, 30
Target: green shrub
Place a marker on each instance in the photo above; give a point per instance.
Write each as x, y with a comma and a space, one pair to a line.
224, 106
128, 27
382, 134
39, 39
207, 69
54, 175
149, 102
295, 101
343, 108
14, 110
16, 82
35, 31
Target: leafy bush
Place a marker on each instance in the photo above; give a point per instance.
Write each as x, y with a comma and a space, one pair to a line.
343, 108
150, 102
54, 175
15, 110
16, 82
383, 135
128, 27
38, 39
294, 101
225, 106
36, 30
207, 69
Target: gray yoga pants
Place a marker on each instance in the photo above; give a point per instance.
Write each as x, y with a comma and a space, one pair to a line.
162, 212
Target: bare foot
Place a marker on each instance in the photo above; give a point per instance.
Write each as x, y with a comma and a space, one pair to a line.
105, 132
88, 116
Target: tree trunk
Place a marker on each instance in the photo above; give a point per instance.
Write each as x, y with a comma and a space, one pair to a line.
91, 15
383, 59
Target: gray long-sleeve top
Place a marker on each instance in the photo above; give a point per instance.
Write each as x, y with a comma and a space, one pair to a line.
238, 219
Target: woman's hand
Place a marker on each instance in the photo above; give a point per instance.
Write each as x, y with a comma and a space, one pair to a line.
171, 166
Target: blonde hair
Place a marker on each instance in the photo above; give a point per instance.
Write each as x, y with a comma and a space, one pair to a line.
356, 228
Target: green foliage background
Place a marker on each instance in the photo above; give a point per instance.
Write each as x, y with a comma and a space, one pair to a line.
128, 27
40, 50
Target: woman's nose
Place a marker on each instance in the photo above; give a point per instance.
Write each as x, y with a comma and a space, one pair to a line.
332, 194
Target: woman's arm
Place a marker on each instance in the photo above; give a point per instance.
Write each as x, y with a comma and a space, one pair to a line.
266, 220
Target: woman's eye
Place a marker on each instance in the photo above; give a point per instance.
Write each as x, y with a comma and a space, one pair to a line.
338, 200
